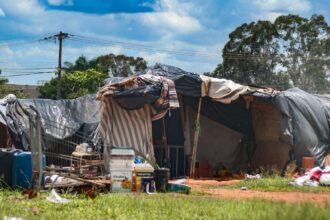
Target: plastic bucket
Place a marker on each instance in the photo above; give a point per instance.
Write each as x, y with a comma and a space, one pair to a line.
161, 177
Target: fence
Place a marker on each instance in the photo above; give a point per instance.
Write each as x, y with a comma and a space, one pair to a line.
60, 141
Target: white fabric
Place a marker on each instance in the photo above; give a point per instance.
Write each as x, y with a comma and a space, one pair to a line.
222, 90
226, 91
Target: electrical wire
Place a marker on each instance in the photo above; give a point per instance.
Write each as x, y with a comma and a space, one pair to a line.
26, 74
137, 46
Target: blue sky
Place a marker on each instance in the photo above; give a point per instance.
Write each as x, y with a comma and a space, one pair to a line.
161, 26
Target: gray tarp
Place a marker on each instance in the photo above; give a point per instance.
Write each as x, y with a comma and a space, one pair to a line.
305, 123
60, 118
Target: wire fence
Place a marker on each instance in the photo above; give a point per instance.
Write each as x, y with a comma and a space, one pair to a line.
60, 141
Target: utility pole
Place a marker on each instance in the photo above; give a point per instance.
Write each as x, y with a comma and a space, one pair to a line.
59, 73
60, 37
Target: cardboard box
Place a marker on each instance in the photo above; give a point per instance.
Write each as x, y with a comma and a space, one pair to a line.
121, 180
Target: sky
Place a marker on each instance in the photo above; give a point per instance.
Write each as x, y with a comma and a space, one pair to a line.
189, 34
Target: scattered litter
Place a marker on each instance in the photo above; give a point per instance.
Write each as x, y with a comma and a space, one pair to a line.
56, 198
252, 177
313, 177
180, 181
12, 218
243, 188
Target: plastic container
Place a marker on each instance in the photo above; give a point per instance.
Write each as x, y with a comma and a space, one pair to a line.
161, 177
6, 166
22, 170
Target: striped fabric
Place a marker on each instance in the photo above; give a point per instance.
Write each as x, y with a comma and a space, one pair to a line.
126, 128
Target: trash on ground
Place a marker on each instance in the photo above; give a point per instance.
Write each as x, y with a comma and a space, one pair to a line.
252, 177
56, 198
313, 177
178, 188
11, 218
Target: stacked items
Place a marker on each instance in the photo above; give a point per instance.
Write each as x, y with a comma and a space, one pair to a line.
143, 177
85, 160
121, 169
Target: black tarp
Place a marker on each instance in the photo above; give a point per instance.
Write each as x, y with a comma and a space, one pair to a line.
186, 83
137, 97
173, 128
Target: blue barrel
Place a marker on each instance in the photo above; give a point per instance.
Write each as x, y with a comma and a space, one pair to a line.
22, 170
6, 165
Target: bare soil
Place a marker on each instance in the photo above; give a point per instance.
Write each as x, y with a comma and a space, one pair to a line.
291, 197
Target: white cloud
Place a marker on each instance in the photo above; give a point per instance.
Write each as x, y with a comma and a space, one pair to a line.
22, 8
60, 2
270, 15
271, 9
283, 5
172, 21
173, 15
2, 13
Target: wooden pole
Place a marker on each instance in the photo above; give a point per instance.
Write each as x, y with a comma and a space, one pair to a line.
166, 148
196, 137
59, 74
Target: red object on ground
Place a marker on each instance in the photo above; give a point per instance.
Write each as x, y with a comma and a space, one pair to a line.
308, 163
316, 175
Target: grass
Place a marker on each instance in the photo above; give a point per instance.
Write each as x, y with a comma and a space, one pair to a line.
159, 206
276, 184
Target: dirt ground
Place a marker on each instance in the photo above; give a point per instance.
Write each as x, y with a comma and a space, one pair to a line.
292, 197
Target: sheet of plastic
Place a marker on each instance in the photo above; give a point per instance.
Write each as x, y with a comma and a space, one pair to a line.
60, 118
305, 123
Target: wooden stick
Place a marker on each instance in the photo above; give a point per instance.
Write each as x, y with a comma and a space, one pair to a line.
196, 137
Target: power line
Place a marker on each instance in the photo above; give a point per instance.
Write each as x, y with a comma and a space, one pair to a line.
25, 74
139, 46
26, 68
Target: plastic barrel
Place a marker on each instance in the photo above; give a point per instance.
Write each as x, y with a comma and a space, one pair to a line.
6, 165
161, 177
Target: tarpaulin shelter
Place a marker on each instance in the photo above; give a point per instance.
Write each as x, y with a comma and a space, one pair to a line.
65, 123
218, 100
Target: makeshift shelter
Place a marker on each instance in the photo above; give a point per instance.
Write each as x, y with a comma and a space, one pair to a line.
65, 123
223, 133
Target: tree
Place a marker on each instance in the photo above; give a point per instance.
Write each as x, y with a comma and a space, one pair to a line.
7, 89
3, 81
85, 76
74, 85
114, 65
292, 51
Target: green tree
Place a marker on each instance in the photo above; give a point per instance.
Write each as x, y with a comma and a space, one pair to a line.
85, 76
73, 85
114, 65
7, 89
292, 51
